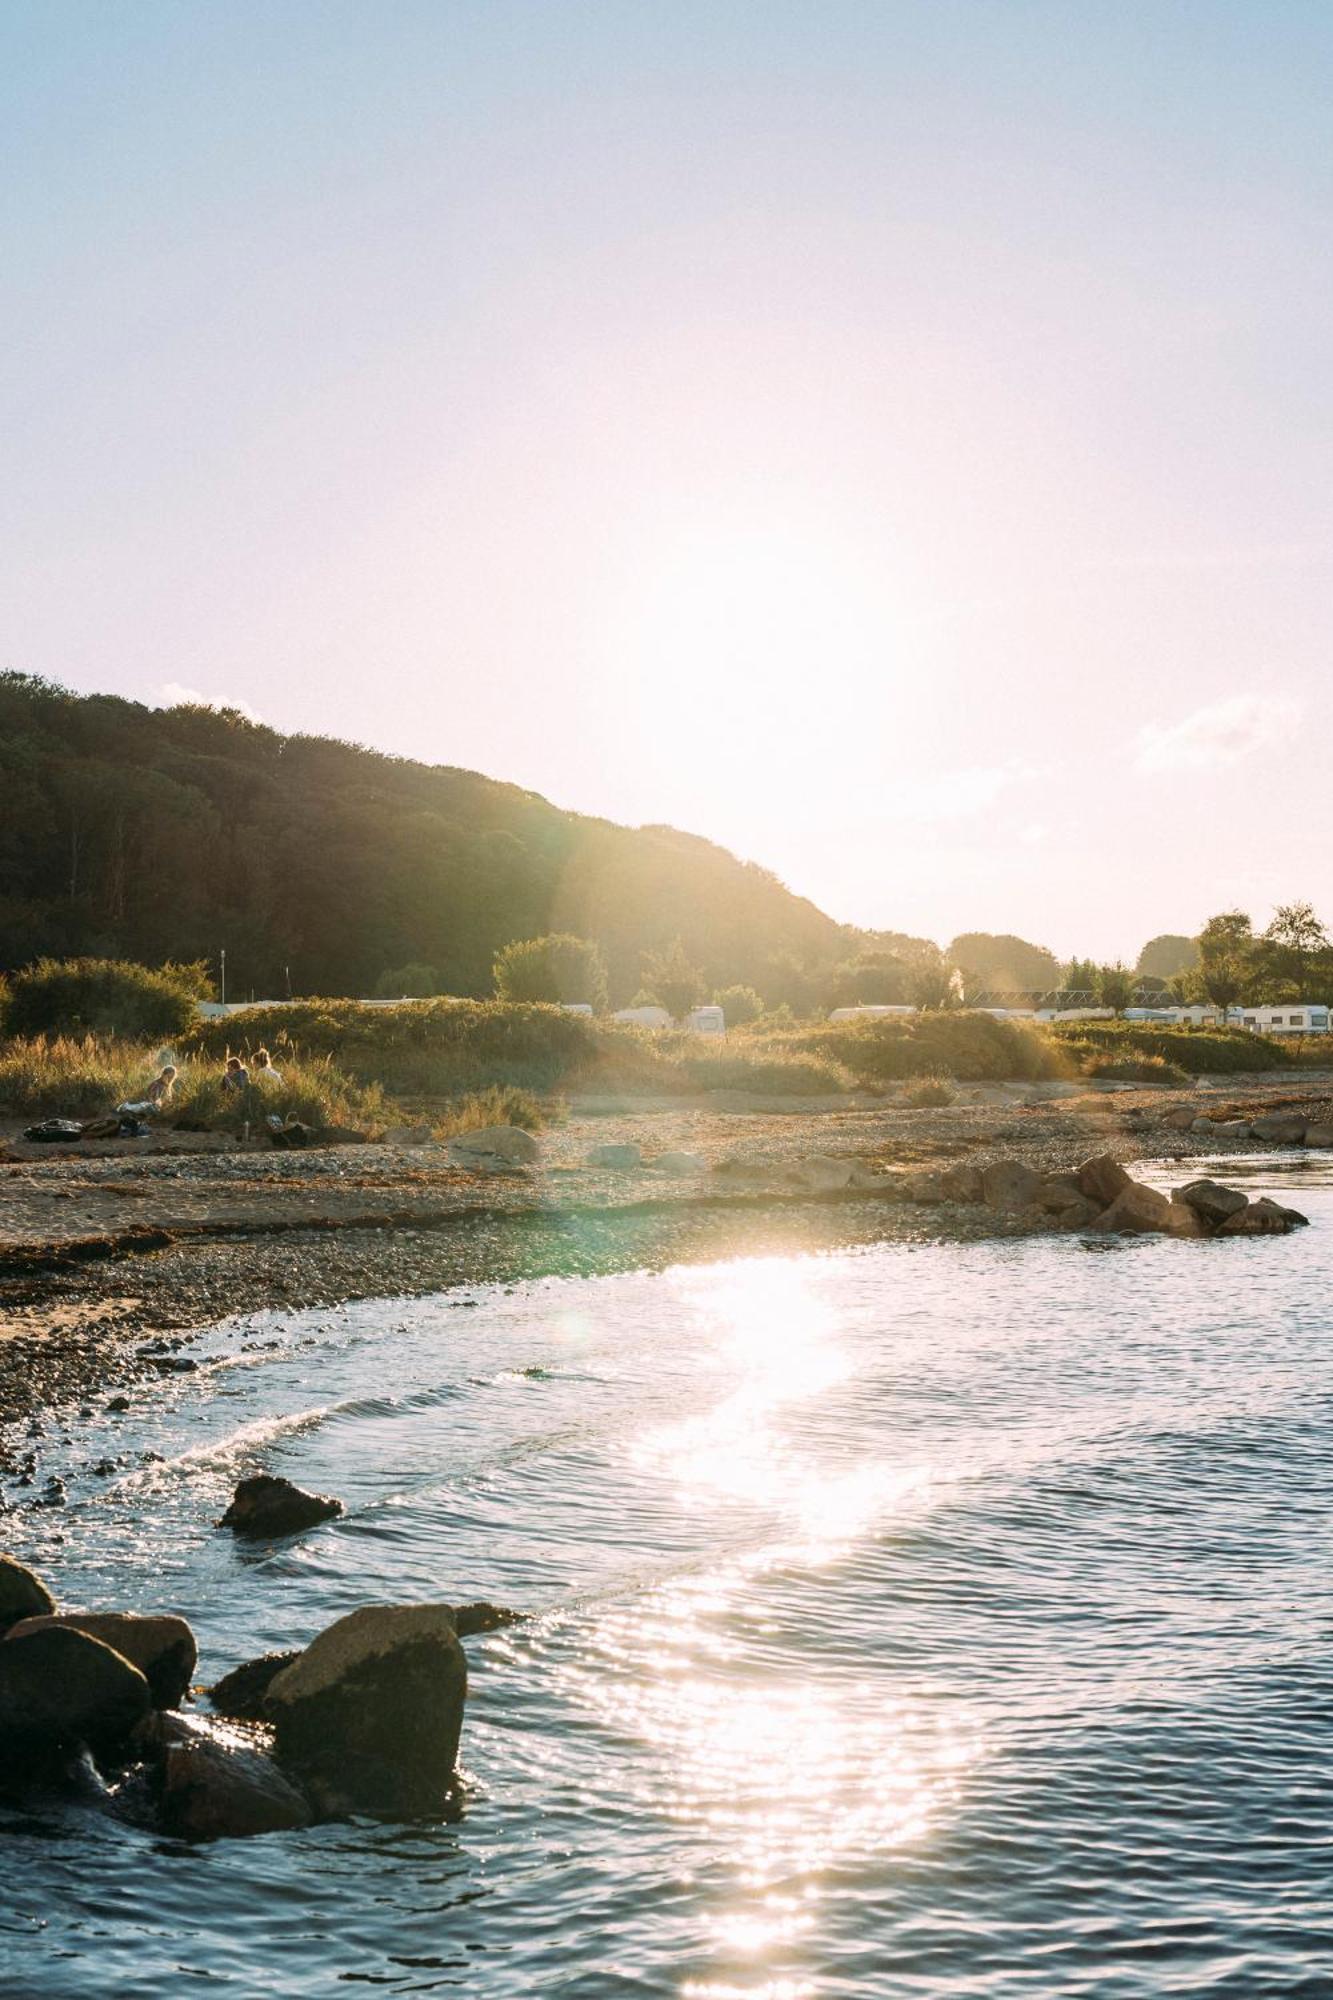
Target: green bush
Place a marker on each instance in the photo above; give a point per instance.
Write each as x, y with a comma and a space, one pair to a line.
775, 1074
1196, 1051
973, 1048
1138, 1069
496, 1106
740, 1005
408, 982
552, 969
100, 996
935, 1091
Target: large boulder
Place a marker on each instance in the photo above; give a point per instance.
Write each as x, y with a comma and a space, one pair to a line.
1180, 1117
1102, 1179
1319, 1135
367, 1720
506, 1144
680, 1165
1009, 1184
1285, 1128
1058, 1193
623, 1157
220, 1783
264, 1507
163, 1647
1139, 1210
241, 1693
1211, 1200
60, 1687
22, 1594
482, 1616
1262, 1218
1231, 1128
961, 1182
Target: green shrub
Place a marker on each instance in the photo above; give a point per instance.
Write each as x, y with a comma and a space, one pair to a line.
408, 982
973, 1048
740, 1005
552, 969
936, 1090
1138, 1069
495, 1106
771, 1074
100, 996
1196, 1051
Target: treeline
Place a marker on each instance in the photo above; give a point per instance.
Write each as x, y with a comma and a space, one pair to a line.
155, 835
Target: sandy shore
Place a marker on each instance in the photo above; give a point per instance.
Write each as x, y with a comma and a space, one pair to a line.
108, 1252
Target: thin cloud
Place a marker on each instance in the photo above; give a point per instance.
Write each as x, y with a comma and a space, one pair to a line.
1216, 737
174, 694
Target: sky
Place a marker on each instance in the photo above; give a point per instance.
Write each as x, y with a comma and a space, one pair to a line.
892, 440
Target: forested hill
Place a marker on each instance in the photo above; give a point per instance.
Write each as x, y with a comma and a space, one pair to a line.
150, 834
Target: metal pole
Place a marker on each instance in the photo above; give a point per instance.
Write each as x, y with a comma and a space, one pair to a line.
224, 975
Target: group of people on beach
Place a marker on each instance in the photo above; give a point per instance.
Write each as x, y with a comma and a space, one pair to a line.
236, 1077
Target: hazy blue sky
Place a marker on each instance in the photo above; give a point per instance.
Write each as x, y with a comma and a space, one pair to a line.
893, 440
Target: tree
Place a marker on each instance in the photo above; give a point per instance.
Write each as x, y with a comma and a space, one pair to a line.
1003, 964
1284, 956
937, 986
1081, 975
557, 968
740, 1005
1163, 957
1226, 957
407, 982
676, 983
1115, 986
872, 979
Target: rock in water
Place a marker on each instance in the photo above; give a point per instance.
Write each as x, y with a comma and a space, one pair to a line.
1261, 1218
22, 1595
367, 1720
623, 1157
264, 1506
241, 1693
1102, 1179
162, 1648
1139, 1210
218, 1783
1009, 1184
483, 1617
1211, 1200
58, 1687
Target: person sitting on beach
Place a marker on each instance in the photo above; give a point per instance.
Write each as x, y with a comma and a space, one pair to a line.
264, 1070
155, 1098
235, 1076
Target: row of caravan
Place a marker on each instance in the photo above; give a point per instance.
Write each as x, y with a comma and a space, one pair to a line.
1283, 1018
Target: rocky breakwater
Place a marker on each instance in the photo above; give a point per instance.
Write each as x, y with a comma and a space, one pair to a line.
365, 1719
1270, 1128
1100, 1197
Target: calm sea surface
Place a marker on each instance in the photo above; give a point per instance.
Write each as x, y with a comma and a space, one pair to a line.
946, 1621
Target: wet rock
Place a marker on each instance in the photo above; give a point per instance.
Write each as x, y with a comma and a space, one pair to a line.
1231, 1128
367, 1720
264, 1506
680, 1164
1211, 1200
622, 1157
1009, 1184
58, 1687
163, 1648
470, 1619
1180, 1117
1102, 1179
1140, 1210
22, 1594
1284, 1128
1262, 1218
1060, 1192
241, 1693
505, 1143
1080, 1214
219, 1783
1319, 1135
961, 1183
822, 1175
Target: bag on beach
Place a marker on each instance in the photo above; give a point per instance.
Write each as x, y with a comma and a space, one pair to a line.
54, 1130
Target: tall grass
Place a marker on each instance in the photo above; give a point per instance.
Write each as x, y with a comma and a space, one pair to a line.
82, 1078
1197, 1051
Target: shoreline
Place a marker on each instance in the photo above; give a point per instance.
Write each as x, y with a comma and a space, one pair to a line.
93, 1298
